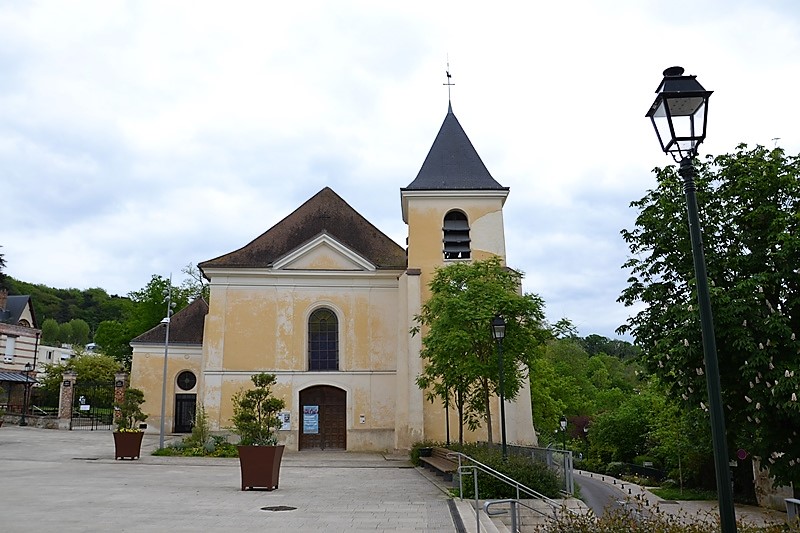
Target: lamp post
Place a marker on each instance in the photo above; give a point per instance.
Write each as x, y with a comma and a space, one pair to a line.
563, 423
498, 334
165, 321
679, 115
22, 420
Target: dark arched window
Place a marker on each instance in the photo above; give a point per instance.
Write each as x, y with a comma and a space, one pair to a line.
456, 236
323, 340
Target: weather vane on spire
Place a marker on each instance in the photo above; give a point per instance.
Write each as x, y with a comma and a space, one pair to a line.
448, 80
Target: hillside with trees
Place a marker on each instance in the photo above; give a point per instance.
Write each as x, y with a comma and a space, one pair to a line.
80, 316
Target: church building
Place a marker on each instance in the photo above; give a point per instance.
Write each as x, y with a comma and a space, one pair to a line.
325, 301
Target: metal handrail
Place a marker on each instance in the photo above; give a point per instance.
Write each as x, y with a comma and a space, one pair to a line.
514, 511
502, 477
477, 466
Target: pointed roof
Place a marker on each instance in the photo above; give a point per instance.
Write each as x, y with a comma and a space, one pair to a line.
452, 162
325, 212
185, 327
15, 306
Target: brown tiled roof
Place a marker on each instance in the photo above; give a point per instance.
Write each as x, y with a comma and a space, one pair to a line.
185, 327
325, 212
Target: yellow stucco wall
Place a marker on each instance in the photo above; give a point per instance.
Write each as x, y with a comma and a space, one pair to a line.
258, 322
147, 371
424, 212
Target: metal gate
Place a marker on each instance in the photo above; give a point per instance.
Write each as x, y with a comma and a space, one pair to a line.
93, 405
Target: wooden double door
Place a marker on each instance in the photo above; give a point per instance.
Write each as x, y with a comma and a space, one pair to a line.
323, 418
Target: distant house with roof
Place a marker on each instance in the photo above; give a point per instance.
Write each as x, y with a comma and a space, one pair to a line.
325, 300
19, 340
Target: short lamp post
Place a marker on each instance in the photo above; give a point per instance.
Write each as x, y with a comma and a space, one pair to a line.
563, 423
23, 421
498, 334
165, 321
679, 115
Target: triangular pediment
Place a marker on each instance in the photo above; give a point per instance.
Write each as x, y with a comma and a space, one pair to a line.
323, 253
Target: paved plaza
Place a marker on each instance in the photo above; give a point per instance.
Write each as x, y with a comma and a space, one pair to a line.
68, 481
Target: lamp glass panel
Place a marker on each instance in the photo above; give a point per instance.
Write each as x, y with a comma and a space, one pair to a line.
663, 130
685, 106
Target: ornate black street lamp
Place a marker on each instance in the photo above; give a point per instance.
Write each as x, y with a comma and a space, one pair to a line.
498, 334
22, 420
679, 115
563, 423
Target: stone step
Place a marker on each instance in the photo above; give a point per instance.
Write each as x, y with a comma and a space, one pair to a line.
467, 513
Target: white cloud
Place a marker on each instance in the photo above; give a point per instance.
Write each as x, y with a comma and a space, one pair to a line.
136, 137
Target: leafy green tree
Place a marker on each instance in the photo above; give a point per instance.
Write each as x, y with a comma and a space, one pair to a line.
50, 332
255, 412
87, 366
750, 202
113, 339
622, 434
79, 332
65, 333
130, 411
682, 441
457, 346
150, 304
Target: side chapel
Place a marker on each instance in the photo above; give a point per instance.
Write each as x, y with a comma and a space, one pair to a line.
325, 301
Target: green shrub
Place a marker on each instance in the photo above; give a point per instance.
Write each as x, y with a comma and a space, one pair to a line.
214, 446
414, 453
615, 469
632, 520
523, 469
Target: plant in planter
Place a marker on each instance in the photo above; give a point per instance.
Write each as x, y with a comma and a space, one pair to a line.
255, 420
128, 436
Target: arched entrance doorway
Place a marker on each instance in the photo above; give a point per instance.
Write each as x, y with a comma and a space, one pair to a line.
323, 424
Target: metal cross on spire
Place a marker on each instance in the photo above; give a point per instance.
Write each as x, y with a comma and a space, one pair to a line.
448, 80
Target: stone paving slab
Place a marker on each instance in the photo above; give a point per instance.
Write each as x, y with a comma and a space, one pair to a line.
69, 481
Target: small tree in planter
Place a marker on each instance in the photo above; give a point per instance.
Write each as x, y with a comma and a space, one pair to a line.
255, 420
128, 413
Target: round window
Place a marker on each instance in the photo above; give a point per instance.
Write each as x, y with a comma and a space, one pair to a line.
186, 380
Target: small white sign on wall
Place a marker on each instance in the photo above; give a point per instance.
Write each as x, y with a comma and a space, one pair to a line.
286, 420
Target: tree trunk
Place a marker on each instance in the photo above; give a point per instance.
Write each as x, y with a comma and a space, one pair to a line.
487, 406
460, 405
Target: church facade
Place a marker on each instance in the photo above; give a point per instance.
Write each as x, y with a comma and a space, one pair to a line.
325, 301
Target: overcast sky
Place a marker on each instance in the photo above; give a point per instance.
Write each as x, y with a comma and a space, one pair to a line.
137, 137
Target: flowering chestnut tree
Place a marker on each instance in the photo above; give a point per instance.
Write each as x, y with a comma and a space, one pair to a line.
750, 216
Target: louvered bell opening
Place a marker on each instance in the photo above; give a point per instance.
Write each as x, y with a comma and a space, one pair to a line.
456, 236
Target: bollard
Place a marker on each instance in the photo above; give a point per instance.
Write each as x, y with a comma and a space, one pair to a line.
629, 491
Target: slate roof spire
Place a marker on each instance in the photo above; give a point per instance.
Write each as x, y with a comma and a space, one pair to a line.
452, 162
